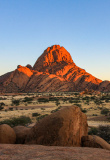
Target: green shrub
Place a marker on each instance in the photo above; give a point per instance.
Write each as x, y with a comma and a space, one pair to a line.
44, 100
1, 105
105, 111
93, 131
22, 120
104, 132
28, 99
57, 103
101, 131
79, 105
16, 102
55, 110
43, 109
11, 108
84, 110
35, 114
41, 117
94, 115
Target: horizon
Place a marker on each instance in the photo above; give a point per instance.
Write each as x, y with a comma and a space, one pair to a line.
82, 28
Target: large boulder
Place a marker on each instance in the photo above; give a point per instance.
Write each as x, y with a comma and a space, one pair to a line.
21, 133
62, 128
7, 134
94, 142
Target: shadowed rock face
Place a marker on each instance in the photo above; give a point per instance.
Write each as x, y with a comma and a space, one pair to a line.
53, 71
63, 128
21, 132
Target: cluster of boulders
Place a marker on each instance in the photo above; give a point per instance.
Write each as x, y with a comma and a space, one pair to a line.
66, 127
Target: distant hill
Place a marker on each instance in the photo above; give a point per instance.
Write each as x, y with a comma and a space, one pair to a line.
55, 71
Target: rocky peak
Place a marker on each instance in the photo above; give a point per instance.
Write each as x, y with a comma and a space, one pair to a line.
53, 55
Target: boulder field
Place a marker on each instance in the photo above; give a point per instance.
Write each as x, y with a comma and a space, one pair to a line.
66, 127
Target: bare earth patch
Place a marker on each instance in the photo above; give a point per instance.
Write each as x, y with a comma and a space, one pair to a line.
38, 152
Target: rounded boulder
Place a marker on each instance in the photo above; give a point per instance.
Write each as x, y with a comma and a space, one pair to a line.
62, 128
21, 133
7, 134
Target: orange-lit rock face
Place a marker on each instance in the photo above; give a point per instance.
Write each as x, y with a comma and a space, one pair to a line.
53, 71
25, 70
52, 56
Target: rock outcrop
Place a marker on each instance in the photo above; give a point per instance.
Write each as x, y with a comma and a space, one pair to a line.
53, 71
7, 134
37, 152
63, 128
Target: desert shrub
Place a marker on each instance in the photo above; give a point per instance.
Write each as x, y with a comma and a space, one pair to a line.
41, 117
55, 110
76, 104
93, 131
105, 97
76, 93
98, 101
101, 131
86, 98
1, 98
105, 111
104, 132
57, 103
94, 115
22, 120
44, 100
1, 105
16, 102
84, 110
43, 109
35, 114
11, 108
53, 99
28, 99
92, 97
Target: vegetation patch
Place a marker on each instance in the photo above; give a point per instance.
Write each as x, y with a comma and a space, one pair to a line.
22, 120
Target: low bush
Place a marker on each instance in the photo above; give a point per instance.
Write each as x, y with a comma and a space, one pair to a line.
84, 110
55, 110
22, 120
104, 132
35, 114
101, 131
1, 105
45, 100
15, 102
41, 117
93, 131
105, 111
28, 99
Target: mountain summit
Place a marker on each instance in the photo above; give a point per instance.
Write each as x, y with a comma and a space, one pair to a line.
55, 71
51, 57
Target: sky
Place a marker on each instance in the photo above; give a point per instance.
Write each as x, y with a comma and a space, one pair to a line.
28, 27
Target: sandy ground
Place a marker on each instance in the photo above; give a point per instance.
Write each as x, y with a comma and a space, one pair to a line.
26, 109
